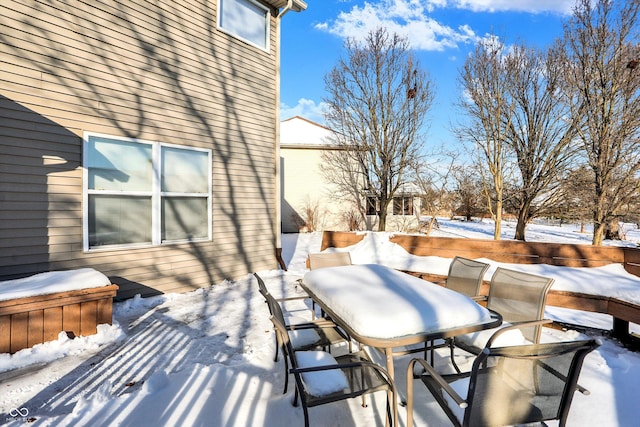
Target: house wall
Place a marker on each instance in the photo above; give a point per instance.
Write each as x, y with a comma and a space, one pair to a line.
157, 71
304, 186
302, 144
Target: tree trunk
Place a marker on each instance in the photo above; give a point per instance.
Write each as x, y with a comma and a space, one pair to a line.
498, 221
521, 226
520, 230
433, 221
598, 234
382, 219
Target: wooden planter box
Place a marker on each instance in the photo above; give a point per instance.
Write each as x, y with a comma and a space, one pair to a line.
32, 320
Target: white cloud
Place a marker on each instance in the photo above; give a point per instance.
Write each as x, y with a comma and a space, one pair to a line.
408, 18
531, 6
306, 108
411, 18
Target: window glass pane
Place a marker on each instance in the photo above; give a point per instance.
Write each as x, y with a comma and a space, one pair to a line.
397, 205
371, 206
408, 206
115, 220
184, 218
118, 165
184, 171
244, 19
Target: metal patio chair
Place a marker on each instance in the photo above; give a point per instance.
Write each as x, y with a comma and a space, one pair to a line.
465, 276
510, 385
328, 259
518, 297
319, 333
320, 378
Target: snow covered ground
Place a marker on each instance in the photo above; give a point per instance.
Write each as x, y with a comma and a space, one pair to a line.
205, 358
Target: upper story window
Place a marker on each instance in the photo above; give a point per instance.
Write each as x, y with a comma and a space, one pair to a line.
144, 193
245, 19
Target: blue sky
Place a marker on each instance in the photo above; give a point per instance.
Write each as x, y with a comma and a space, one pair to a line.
441, 34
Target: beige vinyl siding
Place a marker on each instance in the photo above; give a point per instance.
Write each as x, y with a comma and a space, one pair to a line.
152, 70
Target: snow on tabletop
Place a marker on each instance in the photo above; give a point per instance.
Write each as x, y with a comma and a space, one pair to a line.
52, 282
380, 302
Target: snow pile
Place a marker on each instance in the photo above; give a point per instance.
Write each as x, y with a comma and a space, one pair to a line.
52, 282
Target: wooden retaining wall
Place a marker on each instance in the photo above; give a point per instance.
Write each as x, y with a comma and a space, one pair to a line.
507, 251
27, 321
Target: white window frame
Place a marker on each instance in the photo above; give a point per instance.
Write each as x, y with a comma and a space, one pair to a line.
155, 193
406, 205
231, 31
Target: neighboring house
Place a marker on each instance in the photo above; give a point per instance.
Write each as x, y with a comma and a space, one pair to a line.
305, 189
403, 213
140, 139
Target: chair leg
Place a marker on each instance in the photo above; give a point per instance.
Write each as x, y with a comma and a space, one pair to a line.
306, 416
295, 397
433, 355
453, 360
364, 396
389, 420
286, 374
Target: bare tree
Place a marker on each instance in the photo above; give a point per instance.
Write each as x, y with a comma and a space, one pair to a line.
377, 104
540, 132
518, 123
576, 201
489, 112
601, 51
433, 180
469, 192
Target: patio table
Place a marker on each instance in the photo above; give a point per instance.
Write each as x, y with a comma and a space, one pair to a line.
385, 308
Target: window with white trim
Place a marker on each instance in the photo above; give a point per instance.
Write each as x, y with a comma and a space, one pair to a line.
144, 192
246, 20
403, 205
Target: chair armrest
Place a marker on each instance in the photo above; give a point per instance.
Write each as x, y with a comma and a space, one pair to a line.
301, 297
516, 325
480, 298
311, 325
437, 377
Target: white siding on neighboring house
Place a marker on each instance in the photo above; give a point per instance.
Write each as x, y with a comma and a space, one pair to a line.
303, 185
302, 143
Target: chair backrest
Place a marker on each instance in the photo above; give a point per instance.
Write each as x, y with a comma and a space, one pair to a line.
466, 275
519, 296
261, 285
274, 309
524, 384
328, 259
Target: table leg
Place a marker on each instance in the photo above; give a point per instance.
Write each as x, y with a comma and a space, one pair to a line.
391, 370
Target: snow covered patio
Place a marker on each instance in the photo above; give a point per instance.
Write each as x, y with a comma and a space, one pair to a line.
206, 358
